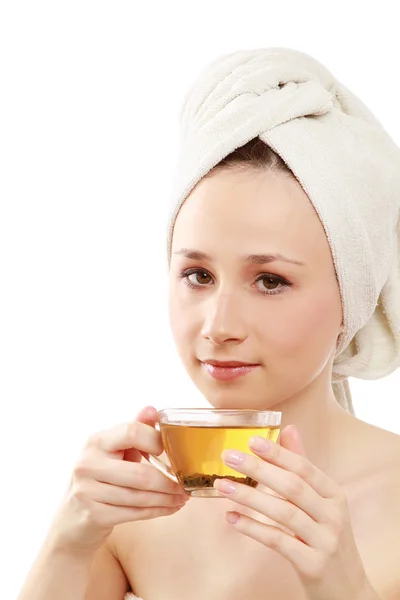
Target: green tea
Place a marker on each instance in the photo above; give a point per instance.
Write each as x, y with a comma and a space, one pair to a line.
195, 453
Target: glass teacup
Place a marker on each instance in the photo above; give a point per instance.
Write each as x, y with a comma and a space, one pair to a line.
194, 439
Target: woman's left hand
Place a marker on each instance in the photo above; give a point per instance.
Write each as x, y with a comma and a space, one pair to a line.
321, 545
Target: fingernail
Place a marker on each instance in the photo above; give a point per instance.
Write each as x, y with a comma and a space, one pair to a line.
225, 486
258, 443
232, 517
234, 457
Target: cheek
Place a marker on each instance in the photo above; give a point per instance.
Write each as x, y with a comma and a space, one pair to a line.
310, 321
179, 317
173, 312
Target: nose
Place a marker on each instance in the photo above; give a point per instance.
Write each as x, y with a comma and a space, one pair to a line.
223, 322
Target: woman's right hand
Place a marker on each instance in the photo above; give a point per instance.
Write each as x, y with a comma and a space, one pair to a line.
110, 485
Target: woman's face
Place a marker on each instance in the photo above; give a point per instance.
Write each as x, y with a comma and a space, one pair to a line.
229, 302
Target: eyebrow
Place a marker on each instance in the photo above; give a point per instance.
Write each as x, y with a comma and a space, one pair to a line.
253, 259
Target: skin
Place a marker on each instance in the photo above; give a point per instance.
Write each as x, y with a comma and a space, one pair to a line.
292, 336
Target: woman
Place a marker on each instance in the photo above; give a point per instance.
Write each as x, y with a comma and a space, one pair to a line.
283, 249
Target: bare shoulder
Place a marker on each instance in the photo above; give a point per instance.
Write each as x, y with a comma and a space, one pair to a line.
121, 542
132, 542
371, 476
373, 496
379, 432
378, 454
122, 539
374, 448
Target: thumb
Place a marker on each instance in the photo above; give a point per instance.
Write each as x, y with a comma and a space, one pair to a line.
290, 439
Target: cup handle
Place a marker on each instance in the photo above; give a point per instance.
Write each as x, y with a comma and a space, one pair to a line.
160, 465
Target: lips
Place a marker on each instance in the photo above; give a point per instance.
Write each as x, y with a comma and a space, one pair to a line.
228, 363
227, 370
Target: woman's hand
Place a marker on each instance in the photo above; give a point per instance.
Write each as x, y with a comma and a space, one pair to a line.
111, 485
320, 543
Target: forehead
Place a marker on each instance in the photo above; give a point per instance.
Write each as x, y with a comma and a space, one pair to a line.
248, 211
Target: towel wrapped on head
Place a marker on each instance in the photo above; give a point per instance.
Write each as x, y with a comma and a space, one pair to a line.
345, 161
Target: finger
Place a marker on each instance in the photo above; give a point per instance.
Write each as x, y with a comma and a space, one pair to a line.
299, 554
140, 476
129, 435
279, 510
148, 415
120, 496
291, 439
296, 463
288, 485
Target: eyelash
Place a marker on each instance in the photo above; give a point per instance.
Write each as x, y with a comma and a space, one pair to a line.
186, 273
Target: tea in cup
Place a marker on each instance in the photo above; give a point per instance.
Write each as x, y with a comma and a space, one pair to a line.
194, 439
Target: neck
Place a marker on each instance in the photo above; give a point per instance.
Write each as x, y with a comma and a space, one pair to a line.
323, 425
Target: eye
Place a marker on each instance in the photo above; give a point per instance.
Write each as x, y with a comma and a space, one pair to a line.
270, 284
195, 278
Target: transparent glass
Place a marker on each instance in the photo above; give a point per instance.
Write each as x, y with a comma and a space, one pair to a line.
194, 439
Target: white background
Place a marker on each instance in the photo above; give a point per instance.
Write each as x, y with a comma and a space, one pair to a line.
90, 96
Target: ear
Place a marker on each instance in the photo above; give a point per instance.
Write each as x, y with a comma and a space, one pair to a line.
290, 439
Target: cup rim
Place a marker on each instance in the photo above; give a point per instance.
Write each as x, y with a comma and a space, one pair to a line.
220, 410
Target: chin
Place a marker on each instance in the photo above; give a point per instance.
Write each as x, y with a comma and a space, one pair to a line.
249, 392
229, 398
231, 405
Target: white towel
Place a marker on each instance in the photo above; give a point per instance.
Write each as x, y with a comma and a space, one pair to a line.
131, 596
346, 162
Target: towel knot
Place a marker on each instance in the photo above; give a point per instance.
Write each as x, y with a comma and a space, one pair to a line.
271, 93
